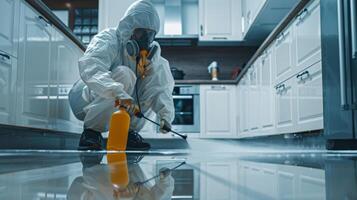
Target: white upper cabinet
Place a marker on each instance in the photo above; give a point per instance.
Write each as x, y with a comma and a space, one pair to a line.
33, 69
308, 36
250, 10
8, 29
217, 110
220, 20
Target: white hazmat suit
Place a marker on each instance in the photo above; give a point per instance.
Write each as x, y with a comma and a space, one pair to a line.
108, 72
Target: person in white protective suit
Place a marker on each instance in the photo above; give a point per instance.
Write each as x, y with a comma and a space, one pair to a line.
109, 72
96, 183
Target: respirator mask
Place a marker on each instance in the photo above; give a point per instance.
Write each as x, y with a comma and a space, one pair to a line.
141, 48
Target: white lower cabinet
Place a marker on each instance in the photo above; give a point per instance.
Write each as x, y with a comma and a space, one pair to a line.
8, 67
309, 99
33, 69
217, 111
254, 101
267, 103
220, 182
65, 72
285, 99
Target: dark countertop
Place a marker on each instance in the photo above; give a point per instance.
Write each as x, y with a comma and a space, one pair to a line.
208, 82
54, 20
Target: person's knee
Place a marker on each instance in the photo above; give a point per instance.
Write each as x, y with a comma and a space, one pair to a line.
125, 76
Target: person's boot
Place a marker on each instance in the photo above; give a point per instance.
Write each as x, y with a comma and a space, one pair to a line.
90, 140
136, 142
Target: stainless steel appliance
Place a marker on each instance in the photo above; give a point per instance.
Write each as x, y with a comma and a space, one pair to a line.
339, 70
187, 108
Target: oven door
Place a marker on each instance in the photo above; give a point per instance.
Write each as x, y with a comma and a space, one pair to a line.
186, 113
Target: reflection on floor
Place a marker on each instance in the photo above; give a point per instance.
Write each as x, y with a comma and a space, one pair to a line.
209, 170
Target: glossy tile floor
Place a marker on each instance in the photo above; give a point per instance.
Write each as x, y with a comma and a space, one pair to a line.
208, 170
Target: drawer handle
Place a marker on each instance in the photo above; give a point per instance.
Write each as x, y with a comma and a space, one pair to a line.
353, 28
201, 27
280, 88
216, 87
301, 75
341, 49
44, 20
4, 55
301, 16
219, 38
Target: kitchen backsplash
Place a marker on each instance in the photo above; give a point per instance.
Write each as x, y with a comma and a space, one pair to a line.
195, 60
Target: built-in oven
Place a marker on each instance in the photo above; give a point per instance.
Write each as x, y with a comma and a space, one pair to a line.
187, 108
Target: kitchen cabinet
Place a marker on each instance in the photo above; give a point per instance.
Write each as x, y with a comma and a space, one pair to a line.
8, 67
285, 100
9, 29
212, 186
217, 111
64, 73
267, 103
250, 10
284, 58
309, 98
243, 108
307, 36
253, 98
220, 20
33, 69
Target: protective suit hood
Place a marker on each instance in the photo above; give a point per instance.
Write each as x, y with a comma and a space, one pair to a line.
140, 14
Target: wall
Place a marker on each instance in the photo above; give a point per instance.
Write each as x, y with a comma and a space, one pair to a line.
195, 60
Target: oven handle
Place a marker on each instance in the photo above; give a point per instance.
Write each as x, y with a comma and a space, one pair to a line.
182, 96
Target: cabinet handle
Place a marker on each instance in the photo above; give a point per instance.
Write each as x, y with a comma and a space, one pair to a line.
219, 38
353, 28
301, 75
280, 88
201, 27
218, 87
301, 16
44, 20
341, 51
4, 55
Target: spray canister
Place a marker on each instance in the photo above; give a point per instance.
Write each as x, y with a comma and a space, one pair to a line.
118, 129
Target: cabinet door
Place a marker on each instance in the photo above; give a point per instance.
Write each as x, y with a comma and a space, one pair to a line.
309, 99
254, 102
220, 20
285, 100
218, 111
244, 105
284, 60
308, 36
8, 29
65, 73
250, 11
33, 71
267, 93
7, 89
220, 182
